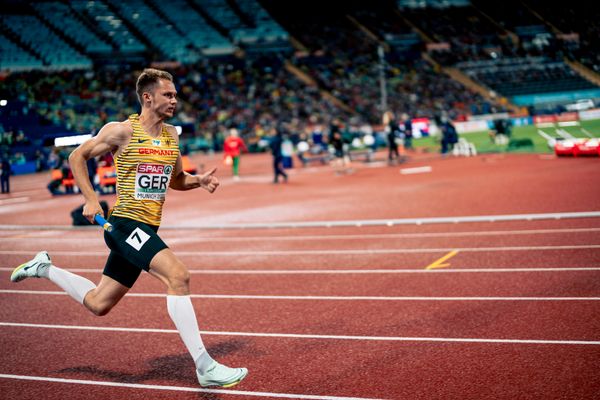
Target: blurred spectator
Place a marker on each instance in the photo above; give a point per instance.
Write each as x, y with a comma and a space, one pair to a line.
316, 138
40, 161
53, 160
67, 174
21, 139
336, 140
54, 185
59, 179
502, 127
393, 135
407, 130
7, 138
449, 135
275, 144
5, 171
19, 158
232, 149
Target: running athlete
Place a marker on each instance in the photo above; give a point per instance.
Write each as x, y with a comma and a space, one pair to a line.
147, 159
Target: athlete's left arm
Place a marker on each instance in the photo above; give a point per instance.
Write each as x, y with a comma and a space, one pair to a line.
181, 180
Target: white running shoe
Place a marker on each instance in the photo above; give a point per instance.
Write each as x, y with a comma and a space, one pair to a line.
35, 268
220, 375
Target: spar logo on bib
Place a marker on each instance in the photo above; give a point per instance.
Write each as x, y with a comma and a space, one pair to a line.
152, 181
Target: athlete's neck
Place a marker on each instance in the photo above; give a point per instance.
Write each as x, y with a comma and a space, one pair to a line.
151, 123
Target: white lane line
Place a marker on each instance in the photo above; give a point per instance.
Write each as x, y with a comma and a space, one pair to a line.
416, 170
328, 252
46, 236
308, 336
365, 236
26, 206
366, 271
14, 200
349, 271
329, 298
336, 223
177, 388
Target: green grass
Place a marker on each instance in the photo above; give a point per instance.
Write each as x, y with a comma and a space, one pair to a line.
483, 144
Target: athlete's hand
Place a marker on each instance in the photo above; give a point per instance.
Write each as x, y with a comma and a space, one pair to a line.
209, 181
90, 209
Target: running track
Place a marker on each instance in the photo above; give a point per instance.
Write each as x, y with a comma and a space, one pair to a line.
379, 284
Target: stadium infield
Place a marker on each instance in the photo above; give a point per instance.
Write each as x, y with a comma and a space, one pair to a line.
340, 308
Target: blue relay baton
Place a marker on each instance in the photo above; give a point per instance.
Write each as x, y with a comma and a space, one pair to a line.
107, 226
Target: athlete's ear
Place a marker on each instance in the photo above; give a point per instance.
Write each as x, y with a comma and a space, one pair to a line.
146, 96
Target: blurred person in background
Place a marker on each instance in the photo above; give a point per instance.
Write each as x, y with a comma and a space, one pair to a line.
276, 143
5, 172
449, 134
393, 135
341, 160
232, 148
408, 131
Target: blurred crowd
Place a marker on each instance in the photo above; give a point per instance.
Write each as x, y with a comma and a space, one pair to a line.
346, 60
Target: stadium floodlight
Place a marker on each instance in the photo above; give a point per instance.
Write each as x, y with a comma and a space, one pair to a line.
3, 102
70, 140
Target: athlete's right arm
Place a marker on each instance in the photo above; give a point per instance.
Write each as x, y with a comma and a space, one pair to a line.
112, 137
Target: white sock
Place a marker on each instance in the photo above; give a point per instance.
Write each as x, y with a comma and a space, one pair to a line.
183, 315
76, 286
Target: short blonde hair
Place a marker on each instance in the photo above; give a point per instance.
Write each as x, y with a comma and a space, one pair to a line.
148, 79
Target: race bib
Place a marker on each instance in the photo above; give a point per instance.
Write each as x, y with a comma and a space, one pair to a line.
152, 181
137, 239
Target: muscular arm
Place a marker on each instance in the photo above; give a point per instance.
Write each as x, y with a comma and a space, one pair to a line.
112, 137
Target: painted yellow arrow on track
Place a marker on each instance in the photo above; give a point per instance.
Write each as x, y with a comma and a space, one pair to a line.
438, 263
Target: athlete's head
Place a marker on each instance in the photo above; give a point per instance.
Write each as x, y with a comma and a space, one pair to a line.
155, 90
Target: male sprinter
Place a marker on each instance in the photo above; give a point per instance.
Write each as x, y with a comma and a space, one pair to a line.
147, 159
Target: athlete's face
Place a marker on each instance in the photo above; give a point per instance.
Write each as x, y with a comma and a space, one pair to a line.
164, 98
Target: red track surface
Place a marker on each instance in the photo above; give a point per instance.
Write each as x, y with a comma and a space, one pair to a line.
514, 314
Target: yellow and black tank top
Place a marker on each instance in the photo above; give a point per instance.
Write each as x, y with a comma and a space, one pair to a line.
144, 171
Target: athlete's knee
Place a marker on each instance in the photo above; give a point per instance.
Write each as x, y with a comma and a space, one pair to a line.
101, 310
179, 277
98, 308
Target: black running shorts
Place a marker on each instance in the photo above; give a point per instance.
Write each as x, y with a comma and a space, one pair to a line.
133, 244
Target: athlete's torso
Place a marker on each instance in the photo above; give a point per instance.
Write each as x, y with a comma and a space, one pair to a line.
144, 171
232, 146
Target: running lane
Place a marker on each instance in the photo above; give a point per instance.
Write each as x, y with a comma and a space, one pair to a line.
374, 369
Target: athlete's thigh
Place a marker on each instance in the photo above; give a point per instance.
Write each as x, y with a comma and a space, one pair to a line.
166, 266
